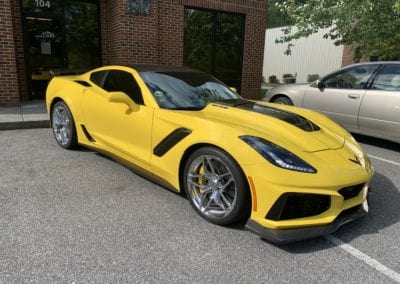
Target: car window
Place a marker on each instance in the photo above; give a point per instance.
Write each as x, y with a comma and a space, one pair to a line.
351, 78
389, 79
121, 81
98, 78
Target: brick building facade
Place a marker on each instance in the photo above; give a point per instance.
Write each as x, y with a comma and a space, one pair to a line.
156, 37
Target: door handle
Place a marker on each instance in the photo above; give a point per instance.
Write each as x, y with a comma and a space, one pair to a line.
353, 96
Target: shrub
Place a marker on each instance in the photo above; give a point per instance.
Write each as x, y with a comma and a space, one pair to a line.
312, 77
273, 79
289, 78
287, 75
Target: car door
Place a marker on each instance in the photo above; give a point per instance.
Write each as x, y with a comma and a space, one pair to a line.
380, 108
126, 131
339, 95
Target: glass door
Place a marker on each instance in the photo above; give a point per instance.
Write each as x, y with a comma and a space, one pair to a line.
45, 51
59, 35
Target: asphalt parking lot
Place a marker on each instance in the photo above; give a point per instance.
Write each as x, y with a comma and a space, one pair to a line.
78, 217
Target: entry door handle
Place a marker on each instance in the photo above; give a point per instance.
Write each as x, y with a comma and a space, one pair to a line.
354, 96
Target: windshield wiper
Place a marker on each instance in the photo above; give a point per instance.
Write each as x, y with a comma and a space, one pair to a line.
186, 108
234, 102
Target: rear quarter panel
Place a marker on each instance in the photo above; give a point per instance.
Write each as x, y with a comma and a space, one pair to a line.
70, 92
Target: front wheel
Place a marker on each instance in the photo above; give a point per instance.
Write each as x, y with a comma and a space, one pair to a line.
216, 186
63, 126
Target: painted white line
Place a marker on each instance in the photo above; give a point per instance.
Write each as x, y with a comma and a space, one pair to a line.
365, 258
385, 160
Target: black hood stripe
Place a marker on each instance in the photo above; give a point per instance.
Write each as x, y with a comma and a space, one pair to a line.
286, 116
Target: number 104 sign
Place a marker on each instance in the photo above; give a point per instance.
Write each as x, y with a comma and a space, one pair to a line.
42, 3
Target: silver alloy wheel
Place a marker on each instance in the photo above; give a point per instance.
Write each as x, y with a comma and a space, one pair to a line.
61, 125
212, 186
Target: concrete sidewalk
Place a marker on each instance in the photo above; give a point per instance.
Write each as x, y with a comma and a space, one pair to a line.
32, 114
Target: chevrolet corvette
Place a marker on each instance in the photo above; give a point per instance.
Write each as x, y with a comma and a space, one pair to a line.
290, 173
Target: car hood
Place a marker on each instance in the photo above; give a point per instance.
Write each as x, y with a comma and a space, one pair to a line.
287, 126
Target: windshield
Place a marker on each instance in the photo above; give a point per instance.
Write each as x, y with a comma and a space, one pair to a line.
186, 90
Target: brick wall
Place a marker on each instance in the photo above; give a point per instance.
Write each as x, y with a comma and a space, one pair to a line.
347, 58
158, 38
19, 50
9, 91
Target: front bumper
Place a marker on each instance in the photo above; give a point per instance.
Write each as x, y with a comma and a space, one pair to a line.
282, 236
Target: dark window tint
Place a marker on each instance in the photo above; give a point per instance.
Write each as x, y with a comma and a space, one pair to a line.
186, 90
389, 79
121, 81
213, 43
351, 78
98, 78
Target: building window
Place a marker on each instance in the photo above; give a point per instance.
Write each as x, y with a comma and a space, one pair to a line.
213, 42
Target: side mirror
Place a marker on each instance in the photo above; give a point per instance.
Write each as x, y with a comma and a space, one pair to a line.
121, 97
320, 84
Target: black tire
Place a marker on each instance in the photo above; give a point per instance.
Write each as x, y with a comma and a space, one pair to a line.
221, 191
63, 126
283, 100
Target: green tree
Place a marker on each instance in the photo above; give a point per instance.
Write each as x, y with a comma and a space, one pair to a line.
370, 27
275, 17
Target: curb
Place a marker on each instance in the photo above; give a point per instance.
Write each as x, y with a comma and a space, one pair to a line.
24, 125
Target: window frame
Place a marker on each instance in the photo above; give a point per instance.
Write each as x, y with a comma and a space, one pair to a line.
104, 80
367, 84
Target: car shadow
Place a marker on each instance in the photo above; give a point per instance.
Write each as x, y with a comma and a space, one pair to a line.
139, 173
383, 212
381, 143
383, 203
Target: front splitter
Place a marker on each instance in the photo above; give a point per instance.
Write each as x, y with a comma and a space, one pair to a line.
283, 236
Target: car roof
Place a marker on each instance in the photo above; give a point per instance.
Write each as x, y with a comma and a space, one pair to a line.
374, 62
160, 68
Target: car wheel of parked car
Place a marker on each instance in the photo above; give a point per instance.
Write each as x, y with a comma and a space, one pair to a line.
216, 187
63, 126
283, 101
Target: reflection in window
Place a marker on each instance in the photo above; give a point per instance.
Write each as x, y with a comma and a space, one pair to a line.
185, 90
213, 43
352, 78
82, 28
389, 79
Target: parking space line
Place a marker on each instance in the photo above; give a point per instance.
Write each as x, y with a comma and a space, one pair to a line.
385, 160
365, 258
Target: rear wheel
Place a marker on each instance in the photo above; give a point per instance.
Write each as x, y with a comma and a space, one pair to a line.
283, 101
63, 126
216, 186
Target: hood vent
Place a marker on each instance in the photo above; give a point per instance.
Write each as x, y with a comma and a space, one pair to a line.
286, 116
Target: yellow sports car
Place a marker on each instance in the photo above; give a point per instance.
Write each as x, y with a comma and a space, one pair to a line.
293, 173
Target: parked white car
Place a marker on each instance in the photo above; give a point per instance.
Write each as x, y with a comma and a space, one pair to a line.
364, 98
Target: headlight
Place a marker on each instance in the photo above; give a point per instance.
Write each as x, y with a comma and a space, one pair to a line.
277, 155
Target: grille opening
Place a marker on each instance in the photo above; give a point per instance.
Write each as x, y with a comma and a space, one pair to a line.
351, 191
298, 205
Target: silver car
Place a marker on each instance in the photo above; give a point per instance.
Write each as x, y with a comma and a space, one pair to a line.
364, 98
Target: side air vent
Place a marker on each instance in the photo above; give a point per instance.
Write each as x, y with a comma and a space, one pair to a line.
170, 141
83, 83
88, 136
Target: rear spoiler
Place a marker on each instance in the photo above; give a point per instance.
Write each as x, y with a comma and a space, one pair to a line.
66, 72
